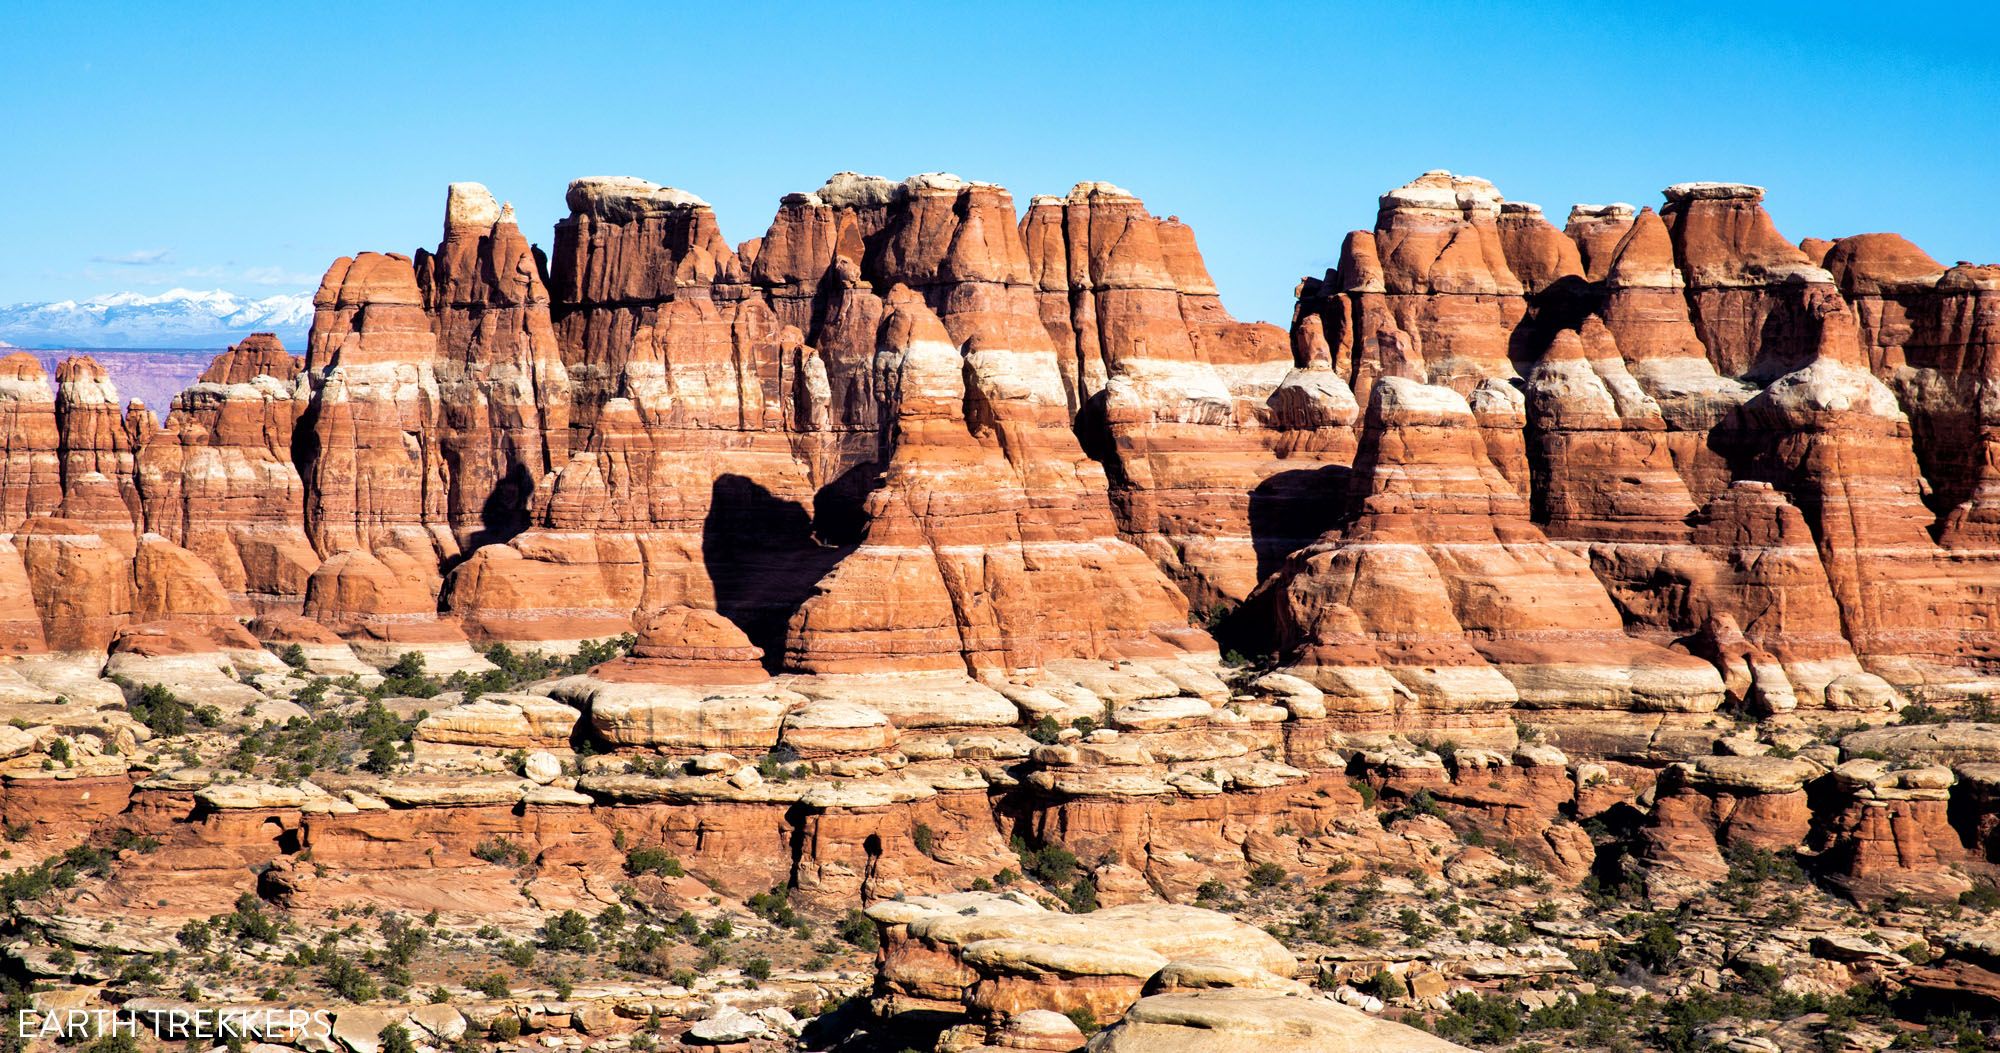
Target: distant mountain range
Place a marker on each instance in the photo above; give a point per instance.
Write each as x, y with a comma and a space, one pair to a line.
175, 318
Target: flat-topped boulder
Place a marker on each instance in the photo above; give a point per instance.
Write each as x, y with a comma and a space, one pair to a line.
678, 716
913, 701
1250, 1021
1754, 775
505, 722
1713, 191
744, 786
251, 795
1951, 743
999, 954
835, 726
624, 198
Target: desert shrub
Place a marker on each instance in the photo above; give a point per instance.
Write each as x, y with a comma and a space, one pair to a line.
1420, 803
1081, 896
406, 678
857, 929
162, 711
652, 861
395, 1038
1385, 985
1051, 863
1981, 897
344, 977
568, 931
500, 851
774, 906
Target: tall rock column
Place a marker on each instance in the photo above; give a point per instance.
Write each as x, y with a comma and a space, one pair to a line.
218, 477
376, 504
1223, 457
987, 549
96, 453
703, 439
1749, 288
503, 391
30, 461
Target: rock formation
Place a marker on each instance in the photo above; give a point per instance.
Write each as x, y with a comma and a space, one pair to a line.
877, 558
219, 478
1221, 444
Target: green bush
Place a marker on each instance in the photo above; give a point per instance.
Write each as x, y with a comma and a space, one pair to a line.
1082, 894
1420, 803
568, 931
395, 1038
1980, 897
774, 906
1052, 863
500, 851
857, 929
652, 861
1658, 948
161, 711
1385, 985
345, 978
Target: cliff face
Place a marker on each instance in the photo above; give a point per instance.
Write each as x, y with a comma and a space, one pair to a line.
906, 429
1695, 387
921, 512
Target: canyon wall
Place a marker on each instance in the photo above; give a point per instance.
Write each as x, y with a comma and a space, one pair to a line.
916, 471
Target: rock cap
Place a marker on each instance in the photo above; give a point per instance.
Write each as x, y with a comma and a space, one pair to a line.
1712, 191
470, 205
620, 198
1616, 209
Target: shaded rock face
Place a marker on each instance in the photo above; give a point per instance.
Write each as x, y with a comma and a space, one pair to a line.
732, 410
989, 546
1223, 445
1767, 459
1443, 582
503, 391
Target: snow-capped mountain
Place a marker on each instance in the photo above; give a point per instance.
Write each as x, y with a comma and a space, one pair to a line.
175, 318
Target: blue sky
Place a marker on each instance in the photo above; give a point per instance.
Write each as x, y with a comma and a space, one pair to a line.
246, 146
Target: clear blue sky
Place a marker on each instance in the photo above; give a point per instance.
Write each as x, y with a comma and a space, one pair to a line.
245, 146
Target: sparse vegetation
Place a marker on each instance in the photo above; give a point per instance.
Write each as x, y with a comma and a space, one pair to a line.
652, 860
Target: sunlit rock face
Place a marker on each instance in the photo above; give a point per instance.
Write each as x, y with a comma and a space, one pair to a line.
1654, 461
